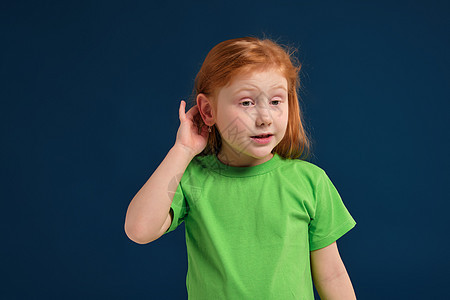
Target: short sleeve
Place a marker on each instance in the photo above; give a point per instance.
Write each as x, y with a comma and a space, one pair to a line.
331, 219
179, 207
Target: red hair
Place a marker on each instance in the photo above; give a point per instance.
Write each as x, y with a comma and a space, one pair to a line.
248, 54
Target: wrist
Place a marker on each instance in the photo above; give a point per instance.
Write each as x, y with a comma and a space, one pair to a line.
181, 149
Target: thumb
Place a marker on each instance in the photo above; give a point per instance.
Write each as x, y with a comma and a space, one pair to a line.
181, 111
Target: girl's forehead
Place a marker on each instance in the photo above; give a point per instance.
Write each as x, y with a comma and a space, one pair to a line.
266, 77
257, 73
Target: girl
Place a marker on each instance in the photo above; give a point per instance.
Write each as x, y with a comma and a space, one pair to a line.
260, 222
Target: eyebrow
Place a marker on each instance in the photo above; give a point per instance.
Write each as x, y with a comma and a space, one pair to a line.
251, 88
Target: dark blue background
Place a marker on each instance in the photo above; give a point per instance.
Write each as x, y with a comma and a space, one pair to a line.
90, 93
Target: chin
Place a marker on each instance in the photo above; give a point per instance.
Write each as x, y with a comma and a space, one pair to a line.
261, 153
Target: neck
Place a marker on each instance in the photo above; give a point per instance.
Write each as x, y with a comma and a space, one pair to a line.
233, 159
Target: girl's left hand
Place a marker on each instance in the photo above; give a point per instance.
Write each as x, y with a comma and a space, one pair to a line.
189, 134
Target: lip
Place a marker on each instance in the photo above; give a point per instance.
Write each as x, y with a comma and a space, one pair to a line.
262, 141
264, 133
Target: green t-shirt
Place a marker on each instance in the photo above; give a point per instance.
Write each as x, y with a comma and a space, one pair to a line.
250, 230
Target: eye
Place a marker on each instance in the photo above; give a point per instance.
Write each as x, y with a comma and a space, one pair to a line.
277, 102
246, 103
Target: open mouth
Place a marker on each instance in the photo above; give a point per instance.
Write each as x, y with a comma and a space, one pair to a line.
262, 136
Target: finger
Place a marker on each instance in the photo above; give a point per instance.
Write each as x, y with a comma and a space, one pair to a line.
181, 113
204, 131
192, 112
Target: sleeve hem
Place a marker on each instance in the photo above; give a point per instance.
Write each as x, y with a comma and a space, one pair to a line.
335, 235
172, 226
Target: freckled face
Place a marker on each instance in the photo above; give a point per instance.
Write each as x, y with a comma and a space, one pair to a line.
252, 115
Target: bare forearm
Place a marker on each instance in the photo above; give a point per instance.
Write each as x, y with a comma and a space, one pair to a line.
338, 287
330, 275
150, 206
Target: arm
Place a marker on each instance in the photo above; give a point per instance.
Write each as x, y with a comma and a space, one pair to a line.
149, 211
150, 207
329, 274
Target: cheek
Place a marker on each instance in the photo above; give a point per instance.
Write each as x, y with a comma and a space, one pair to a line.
231, 116
233, 126
282, 116
282, 122
286, 116
224, 119
286, 121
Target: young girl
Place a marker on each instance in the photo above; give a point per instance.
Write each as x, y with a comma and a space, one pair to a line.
260, 222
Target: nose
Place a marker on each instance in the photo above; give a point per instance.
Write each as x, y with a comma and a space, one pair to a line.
263, 116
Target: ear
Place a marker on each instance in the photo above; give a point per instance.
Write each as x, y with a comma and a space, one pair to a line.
206, 109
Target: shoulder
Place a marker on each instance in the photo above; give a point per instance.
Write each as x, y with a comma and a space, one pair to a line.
201, 162
198, 167
302, 168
